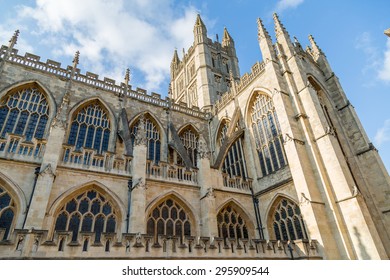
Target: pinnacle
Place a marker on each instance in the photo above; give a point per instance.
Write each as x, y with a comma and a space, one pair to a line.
76, 59
262, 32
199, 21
14, 39
314, 45
127, 76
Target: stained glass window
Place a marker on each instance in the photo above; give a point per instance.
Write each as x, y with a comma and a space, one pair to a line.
24, 112
90, 128
267, 134
234, 163
190, 140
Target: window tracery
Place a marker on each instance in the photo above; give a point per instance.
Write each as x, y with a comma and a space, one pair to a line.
234, 163
7, 211
231, 224
169, 218
288, 222
89, 211
190, 140
152, 136
90, 128
24, 112
267, 134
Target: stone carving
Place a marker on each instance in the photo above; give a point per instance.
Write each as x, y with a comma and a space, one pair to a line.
140, 137
48, 170
203, 150
140, 183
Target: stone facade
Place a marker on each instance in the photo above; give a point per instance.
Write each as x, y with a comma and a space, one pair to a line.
273, 164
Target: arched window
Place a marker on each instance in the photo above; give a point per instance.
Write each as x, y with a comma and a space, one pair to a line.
153, 138
190, 140
288, 222
24, 112
7, 211
267, 134
89, 211
90, 128
223, 128
234, 163
231, 224
169, 218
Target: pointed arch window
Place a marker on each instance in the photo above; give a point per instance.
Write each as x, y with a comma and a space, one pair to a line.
90, 128
7, 211
190, 140
24, 112
222, 132
169, 218
89, 211
153, 138
231, 224
234, 164
267, 134
288, 222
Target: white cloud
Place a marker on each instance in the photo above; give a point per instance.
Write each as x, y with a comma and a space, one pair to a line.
282, 5
384, 72
112, 35
383, 134
365, 43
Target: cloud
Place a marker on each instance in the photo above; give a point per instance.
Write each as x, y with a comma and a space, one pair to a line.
282, 5
365, 43
383, 134
112, 35
384, 72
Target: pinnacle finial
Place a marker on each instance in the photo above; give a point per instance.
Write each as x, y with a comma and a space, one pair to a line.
279, 28
14, 39
261, 31
314, 45
127, 76
76, 59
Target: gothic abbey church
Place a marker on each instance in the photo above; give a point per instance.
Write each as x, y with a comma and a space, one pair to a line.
273, 164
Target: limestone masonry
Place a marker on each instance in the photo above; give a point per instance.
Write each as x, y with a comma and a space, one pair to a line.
274, 164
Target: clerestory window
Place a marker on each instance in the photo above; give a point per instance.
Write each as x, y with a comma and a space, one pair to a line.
90, 128
234, 163
152, 136
24, 112
190, 140
267, 134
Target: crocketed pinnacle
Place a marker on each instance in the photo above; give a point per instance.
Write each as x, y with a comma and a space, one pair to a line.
14, 39
227, 39
314, 45
262, 31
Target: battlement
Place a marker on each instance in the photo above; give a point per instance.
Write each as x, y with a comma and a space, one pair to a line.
256, 70
36, 244
33, 62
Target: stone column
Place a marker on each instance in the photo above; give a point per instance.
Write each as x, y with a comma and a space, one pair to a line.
207, 201
46, 177
138, 192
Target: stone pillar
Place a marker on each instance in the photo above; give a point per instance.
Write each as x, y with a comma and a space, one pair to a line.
138, 192
207, 201
46, 177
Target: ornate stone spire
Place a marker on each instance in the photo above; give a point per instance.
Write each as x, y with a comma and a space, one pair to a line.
316, 51
76, 59
127, 76
227, 40
200, 31
262, 33
283, 37
14, 39
175, 59
265, 42
199, 23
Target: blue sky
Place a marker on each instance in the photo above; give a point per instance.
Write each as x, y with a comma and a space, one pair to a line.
112, 35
